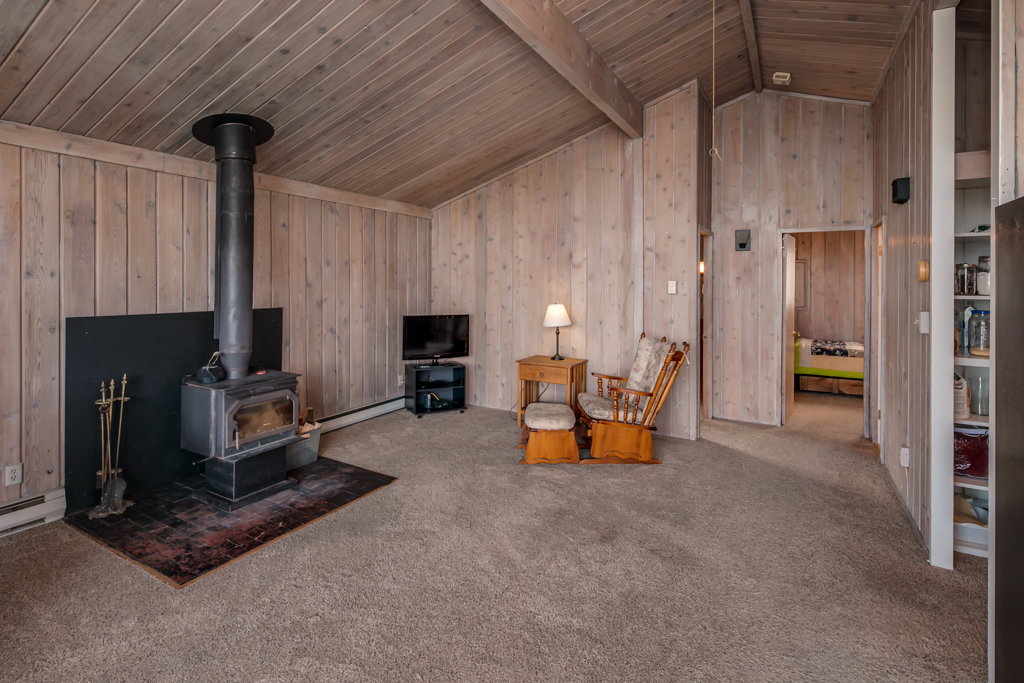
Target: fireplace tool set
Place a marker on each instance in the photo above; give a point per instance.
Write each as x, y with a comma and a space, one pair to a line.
112, 500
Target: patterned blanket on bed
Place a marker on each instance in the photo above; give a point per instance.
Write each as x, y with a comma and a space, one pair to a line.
822, 347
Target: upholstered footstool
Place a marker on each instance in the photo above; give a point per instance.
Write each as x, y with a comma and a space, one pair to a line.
549, 434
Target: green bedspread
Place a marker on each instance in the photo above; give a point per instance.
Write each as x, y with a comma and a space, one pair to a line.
819, 372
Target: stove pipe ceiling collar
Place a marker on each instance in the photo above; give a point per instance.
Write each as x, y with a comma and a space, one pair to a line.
234, 138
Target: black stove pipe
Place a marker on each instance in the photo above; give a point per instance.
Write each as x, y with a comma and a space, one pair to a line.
234, 138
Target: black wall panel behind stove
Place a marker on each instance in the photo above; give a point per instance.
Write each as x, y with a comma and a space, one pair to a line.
155, 351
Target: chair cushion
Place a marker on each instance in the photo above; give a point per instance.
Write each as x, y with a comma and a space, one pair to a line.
650, 356
549, 416
597, 407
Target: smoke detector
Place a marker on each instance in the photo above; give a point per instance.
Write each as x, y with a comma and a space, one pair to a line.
782, 78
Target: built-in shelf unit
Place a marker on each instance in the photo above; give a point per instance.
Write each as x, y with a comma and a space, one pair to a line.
967, 49
973, 208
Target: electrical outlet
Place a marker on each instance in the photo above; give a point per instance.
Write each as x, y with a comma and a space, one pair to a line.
671, 286
401, 378
904, 457
12, 475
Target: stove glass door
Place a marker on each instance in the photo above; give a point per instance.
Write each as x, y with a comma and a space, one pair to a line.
262, 417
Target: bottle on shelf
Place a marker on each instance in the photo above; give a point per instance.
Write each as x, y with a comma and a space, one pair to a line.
984, 276
978, 392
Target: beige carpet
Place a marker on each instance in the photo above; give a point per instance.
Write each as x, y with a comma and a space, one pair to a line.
758, 554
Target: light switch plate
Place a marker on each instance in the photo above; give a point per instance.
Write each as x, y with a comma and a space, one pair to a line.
12, 475
671, 286
904, 457
925, 322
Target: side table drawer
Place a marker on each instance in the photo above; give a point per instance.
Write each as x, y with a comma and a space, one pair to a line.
543, 374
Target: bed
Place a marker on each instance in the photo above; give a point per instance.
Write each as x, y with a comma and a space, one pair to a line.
835, 367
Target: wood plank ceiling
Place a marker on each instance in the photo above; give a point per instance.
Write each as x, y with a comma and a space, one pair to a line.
655, 46
836, 49
414, 100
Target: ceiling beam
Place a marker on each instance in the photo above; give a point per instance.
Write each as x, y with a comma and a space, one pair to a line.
748, 31
546, 29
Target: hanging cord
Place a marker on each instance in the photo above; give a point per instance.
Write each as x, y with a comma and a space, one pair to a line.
714, 150
539, 396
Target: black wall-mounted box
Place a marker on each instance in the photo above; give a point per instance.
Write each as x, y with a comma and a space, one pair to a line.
901, 191
742, 240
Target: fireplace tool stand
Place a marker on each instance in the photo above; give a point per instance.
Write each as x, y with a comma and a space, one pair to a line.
112, 500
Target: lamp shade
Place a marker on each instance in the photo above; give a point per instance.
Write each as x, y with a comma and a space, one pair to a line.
557, 316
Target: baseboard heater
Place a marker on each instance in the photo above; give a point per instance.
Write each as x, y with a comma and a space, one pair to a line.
31, 512
329, 424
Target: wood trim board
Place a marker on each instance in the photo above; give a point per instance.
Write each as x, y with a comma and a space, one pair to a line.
751, 35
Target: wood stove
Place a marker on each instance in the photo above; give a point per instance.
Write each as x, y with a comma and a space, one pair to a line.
241, 425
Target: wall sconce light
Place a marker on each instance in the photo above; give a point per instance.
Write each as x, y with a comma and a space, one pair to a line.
701, 267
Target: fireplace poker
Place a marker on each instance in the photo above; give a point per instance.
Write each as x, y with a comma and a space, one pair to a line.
110, 433
108, 484
119, 484
120, 420
103, 425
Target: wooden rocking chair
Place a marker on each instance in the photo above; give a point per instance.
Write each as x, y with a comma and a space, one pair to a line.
619, 425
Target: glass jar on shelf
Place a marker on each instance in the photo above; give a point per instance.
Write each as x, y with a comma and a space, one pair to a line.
979, 337
966, 279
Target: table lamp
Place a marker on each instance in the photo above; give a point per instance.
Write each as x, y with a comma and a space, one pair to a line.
556, 317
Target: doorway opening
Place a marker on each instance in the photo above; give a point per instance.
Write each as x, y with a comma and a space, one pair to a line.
876, 314
705, 271
826, 316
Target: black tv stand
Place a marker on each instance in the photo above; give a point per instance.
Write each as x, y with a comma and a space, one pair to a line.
435, 388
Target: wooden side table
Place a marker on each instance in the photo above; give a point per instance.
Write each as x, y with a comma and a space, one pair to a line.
536, 370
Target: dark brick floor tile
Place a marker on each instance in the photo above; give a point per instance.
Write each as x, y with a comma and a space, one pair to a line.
182, 538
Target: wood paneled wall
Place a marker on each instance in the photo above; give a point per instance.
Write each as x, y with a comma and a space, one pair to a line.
559, 230
345, 276
677, 206
903, 148
84, 237
592, 227
835, 291
788, 163
973, 118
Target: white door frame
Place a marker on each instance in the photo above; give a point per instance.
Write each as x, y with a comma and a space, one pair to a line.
781, 303
878, 390
788, 383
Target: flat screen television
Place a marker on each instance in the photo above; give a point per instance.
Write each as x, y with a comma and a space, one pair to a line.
430, 337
